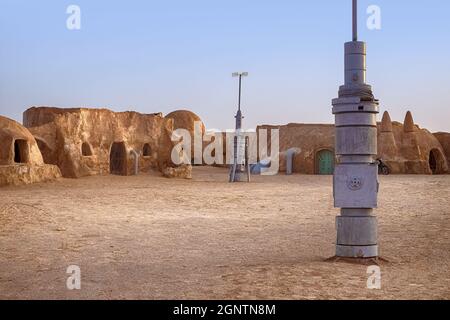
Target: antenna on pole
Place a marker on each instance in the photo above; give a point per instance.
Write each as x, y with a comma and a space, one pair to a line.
240, 75
355, 20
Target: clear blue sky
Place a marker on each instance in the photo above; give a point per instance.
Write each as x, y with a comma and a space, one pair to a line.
153, 56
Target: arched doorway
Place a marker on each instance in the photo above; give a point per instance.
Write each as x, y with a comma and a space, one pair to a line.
118, 159
147, 150
436, 161
20, 151
325, 162
86, 150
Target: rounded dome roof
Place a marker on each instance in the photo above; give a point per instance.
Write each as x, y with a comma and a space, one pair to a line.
184, 119
11, 128
11, 131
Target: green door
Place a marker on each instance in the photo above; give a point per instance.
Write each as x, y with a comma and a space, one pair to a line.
325, 162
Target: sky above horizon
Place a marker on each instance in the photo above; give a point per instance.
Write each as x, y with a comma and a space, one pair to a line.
159, 56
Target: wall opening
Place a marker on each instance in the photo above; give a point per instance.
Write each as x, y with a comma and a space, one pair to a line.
86, 150
325, 162
21, 151
147, 150
436, 161
118, 159
45, 151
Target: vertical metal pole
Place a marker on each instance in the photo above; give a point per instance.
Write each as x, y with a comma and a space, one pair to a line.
355, 20
240, 92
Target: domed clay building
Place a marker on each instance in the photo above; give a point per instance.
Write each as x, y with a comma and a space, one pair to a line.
21, 161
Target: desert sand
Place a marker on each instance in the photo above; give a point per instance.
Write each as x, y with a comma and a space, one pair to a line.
147, 237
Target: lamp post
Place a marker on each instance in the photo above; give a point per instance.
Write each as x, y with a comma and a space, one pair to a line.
356, 173
240, 159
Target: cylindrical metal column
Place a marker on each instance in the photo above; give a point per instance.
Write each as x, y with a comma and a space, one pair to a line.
356, 174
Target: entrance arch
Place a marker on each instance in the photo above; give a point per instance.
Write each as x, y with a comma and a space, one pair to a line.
436, 161
325, 162
118, 159
147, 150
86, 150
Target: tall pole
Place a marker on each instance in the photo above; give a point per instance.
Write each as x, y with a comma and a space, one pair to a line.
355, 20
240, 92
239, 113
240, 145
356, 173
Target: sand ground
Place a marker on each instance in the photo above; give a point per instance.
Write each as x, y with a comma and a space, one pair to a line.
147, 237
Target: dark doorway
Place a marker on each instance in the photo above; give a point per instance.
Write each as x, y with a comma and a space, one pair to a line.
325, 162
86, 150
147, 151
433, 163
20, 151
118, 159
436, 161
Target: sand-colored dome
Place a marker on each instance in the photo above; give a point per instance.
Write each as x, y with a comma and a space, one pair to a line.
17, 144
184, 119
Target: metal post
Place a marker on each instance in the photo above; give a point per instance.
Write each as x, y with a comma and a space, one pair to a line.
355, 20
240, 92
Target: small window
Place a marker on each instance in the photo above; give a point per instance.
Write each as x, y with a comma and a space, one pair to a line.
20, 151
86, 150
147, 151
